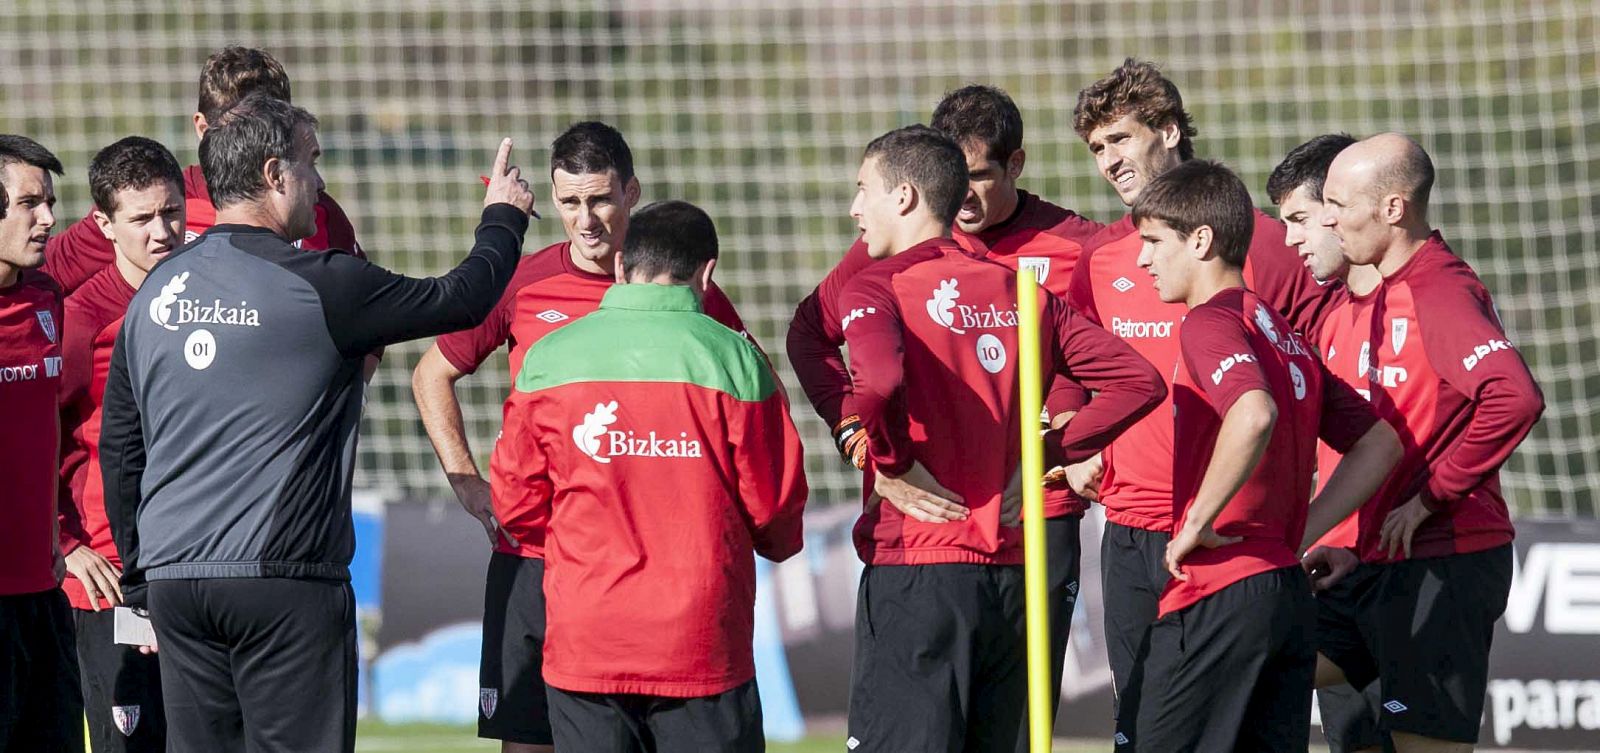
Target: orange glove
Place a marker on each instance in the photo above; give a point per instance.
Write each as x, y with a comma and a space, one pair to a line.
851, 440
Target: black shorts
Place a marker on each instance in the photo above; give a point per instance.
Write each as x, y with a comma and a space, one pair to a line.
1426, 630
940, 662
1133, 573
1349, 716
729, 722
257, 663
1062, 543
41, 706
121, 688
1232, 671
511, 695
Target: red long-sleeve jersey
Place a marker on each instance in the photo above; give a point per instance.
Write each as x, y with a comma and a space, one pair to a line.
30, 376
81, 251
1445, 375
89, 333
1040, 236
933, 345
1110, 289
547, 293
1231, 345
1343, 341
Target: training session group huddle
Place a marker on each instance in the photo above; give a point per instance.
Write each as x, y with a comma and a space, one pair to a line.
1294, 425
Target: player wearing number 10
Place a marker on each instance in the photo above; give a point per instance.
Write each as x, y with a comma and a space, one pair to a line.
931, 330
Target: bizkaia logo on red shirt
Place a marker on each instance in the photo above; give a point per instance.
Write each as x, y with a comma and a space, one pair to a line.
959, 317
595, 439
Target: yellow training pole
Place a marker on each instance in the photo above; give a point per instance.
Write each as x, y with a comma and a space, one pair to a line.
1034, 576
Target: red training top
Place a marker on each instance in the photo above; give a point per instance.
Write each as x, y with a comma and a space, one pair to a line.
932, 333
1342, 339
1111, 290
547, 292
1039, 235
93, 316
1234, 344
75, 255
30, 375
1460, 397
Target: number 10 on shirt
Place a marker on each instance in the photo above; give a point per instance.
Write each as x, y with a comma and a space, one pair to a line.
1034, 579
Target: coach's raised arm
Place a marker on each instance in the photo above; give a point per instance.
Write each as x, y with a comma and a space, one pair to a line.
229, 432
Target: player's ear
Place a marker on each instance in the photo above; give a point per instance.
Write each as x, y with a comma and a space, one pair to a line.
1392, 208
1200, 242
1170, 135
616, 268
1015, 162
905, 198
200, 126
104, 221
630, 193
702, 278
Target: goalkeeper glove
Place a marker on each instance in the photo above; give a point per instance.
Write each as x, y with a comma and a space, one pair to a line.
851, 440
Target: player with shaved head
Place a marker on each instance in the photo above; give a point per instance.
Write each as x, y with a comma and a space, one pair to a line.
1438, 533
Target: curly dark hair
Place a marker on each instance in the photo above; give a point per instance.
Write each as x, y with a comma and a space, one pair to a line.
1135, 88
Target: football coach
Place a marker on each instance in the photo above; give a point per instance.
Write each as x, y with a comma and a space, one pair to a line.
229, 435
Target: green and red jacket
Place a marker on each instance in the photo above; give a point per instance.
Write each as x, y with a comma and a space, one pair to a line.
668, 457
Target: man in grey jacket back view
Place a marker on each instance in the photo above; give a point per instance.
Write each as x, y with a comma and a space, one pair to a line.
229, 435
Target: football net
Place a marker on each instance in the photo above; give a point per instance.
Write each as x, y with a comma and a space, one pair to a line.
758, 110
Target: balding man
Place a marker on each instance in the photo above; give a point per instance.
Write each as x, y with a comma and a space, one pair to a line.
1443, 372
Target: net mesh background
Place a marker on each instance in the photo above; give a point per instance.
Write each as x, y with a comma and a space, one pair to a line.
758, 110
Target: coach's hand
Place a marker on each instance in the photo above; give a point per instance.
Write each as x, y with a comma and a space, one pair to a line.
1401, 525
100, 578
478, 501
506, 185
1327, 565
1084, 478
919, 496
1190, 538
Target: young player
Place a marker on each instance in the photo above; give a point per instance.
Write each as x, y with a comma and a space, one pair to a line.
667, 454
1230, 659
1136, 127
229, 75
1349, 717
40, 704
594, 188
1017, 229
1442, 368
137, 187
931, 329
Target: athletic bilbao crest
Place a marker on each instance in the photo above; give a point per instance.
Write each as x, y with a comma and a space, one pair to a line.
126, 718
47, 322
488, 699
1397, 332
1039, 264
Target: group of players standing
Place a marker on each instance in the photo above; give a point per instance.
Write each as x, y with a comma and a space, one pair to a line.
1200, 349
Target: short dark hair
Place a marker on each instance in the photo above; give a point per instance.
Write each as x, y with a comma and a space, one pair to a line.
1202, 192
260, 127
927, 159
14, 148
1135, 88
233, 73
1411, 175
982, 114
674, 237
134, 162
1306, 165
591, 147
